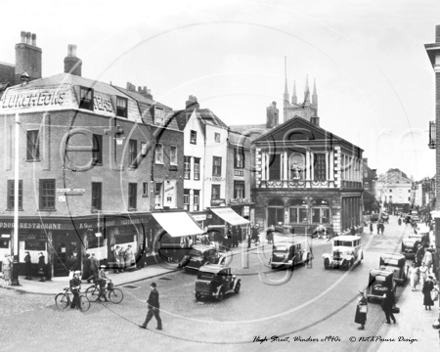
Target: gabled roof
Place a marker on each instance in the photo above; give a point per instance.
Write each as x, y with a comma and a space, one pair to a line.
204, 116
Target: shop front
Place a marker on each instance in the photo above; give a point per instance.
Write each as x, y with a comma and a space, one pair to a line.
227, 226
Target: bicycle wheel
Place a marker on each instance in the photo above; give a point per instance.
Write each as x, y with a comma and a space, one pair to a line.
85, 303
115, 296
92, 293
62, 300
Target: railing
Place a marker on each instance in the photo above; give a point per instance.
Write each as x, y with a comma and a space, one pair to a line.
297, 184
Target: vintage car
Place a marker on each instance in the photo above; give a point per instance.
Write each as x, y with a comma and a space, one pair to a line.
415, 216
214, 280
397, 264
379, 282
199, 255
346, 251
288, 251
384, 216
411, 242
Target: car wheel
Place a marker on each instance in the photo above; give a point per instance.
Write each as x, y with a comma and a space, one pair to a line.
350, 264
326, 263
237, 287
221, 295
308, 259
198, 296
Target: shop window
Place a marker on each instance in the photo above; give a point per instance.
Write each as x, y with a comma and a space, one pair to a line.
132, 195
47, 194
173, 155
196, 202
96, 195
298, 211
159, 154
187, 168
11, 195
121, 106
320, 167
33, 145
193, 137
86, 98
97, 149
216, 166
239, 189
94, 242
215, 192
4, 244
186, 199
275, 212
132, 153
35, 246
196, 168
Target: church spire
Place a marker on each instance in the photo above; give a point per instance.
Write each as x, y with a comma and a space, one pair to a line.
315, 97
294, 97
307, 92
286, 91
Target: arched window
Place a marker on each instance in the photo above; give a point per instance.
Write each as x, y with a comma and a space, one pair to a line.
298, 211
275, 212
320, 211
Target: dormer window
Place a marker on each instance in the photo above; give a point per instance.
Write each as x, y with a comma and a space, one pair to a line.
158, 115
121, 106
86, 98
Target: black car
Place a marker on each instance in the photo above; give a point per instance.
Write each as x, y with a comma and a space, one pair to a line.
199, 255
214, 280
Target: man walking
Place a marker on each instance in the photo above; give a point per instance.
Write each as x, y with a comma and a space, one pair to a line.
153, 308
28, 266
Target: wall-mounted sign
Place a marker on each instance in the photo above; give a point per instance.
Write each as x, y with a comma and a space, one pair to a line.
215, 179
199, 217
238, 173
217, 202
169, 194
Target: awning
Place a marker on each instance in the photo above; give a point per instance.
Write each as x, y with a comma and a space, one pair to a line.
178, 224
230, 216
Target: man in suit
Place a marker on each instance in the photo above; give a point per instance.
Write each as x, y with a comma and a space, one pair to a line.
93, 268
153, 308
27, 260
75, 285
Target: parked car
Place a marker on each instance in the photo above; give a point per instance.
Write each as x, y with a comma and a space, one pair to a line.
214, 280
288, 251
379, 282
411, 242
397, 264
374, 217
415, 216
199, 255
346, 251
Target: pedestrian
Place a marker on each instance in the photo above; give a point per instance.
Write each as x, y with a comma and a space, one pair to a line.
86, 268
74, 263
387, 306
122, 259
269, 233
129, 256
153, 308
414, 276
371, 228
75, 286
28, 266
427, 258
93, 269
117, 261
41, 267
255, 234
361, 311
426, 290
7, 270
102, 281
423, 273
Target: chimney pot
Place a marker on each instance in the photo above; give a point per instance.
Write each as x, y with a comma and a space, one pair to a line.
23, 36
437, 33
34, 39
28, 37
74, 50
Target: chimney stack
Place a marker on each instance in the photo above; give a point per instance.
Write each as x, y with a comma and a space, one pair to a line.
27, 57
192, 103
72, 64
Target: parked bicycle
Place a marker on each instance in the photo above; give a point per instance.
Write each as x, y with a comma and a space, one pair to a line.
63, 300
114, 295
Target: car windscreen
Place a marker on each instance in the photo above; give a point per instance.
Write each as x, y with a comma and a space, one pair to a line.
196, 253
391, 262
343, 243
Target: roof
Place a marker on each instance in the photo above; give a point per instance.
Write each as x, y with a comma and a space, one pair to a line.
202, 247
251, 131
212, 268
381, 272
347, 238
396, 256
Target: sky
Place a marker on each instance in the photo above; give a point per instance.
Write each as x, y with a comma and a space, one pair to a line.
374, 80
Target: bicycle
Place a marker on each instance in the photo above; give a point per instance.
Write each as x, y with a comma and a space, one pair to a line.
63, 300
114, 295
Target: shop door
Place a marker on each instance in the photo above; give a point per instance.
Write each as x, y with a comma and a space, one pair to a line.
64, 247
275, 216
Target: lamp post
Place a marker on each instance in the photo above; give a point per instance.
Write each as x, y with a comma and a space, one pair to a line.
15, 281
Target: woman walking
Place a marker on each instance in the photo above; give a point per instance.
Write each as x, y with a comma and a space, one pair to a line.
361, 311
41, 267
426, 290
414, 276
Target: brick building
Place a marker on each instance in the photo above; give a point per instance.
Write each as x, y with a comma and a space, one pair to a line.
97, 163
